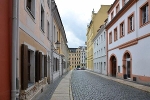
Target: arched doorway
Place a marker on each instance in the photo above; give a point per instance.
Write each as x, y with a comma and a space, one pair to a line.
127, 61
113, 66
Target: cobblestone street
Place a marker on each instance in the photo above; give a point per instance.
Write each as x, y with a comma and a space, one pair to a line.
87, 86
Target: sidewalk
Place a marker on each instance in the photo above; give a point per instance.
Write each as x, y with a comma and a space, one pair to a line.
132, 84
63, 91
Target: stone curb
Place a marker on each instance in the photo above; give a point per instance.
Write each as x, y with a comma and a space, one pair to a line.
70, 91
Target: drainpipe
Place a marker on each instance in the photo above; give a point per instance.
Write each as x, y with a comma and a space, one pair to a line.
52, 47
14, 50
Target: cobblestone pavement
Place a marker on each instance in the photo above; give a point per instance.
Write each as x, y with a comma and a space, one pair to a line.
47, 94
87, 86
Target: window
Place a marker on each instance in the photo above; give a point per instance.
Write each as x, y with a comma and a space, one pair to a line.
42, 18
101, 38
122, 29
144, 14
124, 2
112, 15
131, 23
115, 34
48, 33
110, 37
48, 2
117, 8
30, 5
104, 35
104, 51
104, 65
118, 69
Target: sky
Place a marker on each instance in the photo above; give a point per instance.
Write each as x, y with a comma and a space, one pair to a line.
75, 16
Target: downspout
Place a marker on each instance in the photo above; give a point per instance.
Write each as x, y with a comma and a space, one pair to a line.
52, 48
107, 64
14, 50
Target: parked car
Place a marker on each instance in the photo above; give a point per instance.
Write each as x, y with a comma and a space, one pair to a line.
83, 68
78, 68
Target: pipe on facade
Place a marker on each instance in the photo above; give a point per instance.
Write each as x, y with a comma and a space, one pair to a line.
14, 50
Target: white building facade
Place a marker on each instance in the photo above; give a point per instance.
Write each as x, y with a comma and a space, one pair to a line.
83, 56
100, 51
128, 40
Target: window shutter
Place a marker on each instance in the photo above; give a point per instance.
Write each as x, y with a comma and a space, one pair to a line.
36, 66
24, 67
40, 65
45, 66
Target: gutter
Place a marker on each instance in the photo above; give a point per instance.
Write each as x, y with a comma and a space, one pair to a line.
14, 93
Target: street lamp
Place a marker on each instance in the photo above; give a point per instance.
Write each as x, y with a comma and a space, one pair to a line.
57, 44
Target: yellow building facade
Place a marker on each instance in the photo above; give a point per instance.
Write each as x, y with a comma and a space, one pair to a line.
97, 19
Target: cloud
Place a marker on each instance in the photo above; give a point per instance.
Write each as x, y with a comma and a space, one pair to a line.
73, 40
75, 15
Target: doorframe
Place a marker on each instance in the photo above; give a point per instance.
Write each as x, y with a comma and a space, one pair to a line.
110, 64
124, 62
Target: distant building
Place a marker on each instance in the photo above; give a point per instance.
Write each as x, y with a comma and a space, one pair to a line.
77, 57
128, 32
97, 19
83, 50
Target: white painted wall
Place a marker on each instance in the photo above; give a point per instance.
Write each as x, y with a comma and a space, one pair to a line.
99, 52
140, 52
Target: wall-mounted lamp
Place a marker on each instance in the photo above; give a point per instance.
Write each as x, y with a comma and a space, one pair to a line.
57, 44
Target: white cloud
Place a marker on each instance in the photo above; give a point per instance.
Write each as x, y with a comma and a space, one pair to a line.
80, 11
74, 42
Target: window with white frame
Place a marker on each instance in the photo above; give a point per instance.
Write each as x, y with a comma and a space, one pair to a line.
104, 35
48, 31
145, 13
104, 51
131, 23
42, 18
122, 29
104, 65
30, 5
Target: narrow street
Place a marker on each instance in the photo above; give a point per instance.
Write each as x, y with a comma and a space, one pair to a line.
87, 86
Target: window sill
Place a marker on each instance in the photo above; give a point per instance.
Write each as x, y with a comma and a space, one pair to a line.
115, 40
42, 30
142, 25
110, 42
130, 31
122, 36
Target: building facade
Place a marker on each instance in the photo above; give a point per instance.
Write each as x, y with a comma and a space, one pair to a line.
74, 57
6, 48
97, 20
34, 47
77, 57
60, 54
41, 56
83, 56
99, 51
128, 38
